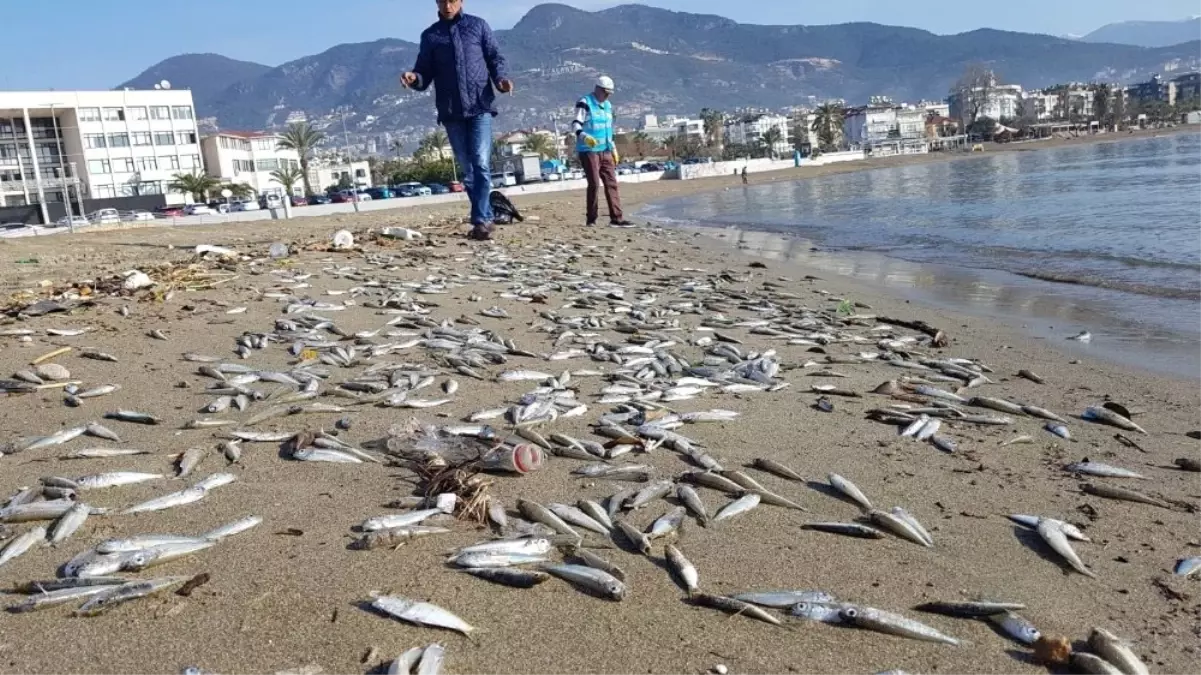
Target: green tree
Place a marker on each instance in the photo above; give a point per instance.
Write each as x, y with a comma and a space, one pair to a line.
542, 145
303, 138
288, 178
642, 141
196, 184
827, 123
237, 190
770, 138
431, 146
396, 146
714, 121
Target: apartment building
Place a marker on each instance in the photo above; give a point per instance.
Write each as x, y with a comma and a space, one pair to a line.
753, 129
871, 124
94, 145
250, 157
997, 102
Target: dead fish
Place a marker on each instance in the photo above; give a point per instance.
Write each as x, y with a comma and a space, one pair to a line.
394, 537
590, 578
132, 416
420, 613
773, 467
508, 576
592, 560
635, 537
1123, 494
540, 514
849, 529
692, 501
849, 489
1086, 466
1035, 411
1030, 375
651, 492
1059, 430
1187, 463
684, 570
128, 592
969, 609
732, 606
188, 460
98, 356
1085, 662
1106, 416
1015, 626
1000, 405
1116, 651
1019, 439
893, 624
667, 523
738, 506
1054, 536
898, 526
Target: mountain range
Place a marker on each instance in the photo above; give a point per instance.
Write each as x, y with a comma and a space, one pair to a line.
1147, 33
663, 61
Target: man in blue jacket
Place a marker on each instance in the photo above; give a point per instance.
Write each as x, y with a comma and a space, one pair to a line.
459, 56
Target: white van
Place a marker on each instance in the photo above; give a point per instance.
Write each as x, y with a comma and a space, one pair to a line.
504, 179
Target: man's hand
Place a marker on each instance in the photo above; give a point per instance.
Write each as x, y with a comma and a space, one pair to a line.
616, 157
408, 79
588, 140
505, 86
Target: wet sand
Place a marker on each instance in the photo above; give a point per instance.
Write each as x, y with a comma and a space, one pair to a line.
282, 601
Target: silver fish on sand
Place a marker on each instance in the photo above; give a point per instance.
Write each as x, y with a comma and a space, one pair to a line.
1116, 651
849, 489
58, 597
68, 523
420, 613
782, 599
128, 592
1187, 566
1015, 626
1054, 536
733, 606
738, 506
1092, 468
507, 576
848, 529
19, 545
968, 608
589, 578
684, 570
893, 624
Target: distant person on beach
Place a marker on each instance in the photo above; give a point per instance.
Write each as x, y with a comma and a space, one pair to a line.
744, 175
593, 127
460, 57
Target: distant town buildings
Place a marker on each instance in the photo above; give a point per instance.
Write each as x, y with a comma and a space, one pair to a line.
755, 131
94, 146
249, 157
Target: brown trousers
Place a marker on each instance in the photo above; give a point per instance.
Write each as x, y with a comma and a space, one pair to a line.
600, 169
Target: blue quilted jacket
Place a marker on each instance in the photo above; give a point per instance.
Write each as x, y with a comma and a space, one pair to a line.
461, 59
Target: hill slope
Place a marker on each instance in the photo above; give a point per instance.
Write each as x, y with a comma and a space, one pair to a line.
679, 62
205, 74
1148, 33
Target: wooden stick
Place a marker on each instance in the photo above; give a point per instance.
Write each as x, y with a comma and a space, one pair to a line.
49, 355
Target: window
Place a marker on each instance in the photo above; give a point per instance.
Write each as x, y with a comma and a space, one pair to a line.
191, 162
170, 163
147, 164
136, 113
47, 153
127, 190
267, 164
141, 138
246, 164
102, 192
114, 115
185, 137
88, 114
181, 112
265, 144
164, 138
359, 173
151, 188
99, 166
55, 196
93, 141
160, 112
118, 140
125, 165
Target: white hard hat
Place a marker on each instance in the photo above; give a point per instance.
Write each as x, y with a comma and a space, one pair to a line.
605, 82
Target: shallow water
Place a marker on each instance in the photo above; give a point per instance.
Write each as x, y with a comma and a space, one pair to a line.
1104, 237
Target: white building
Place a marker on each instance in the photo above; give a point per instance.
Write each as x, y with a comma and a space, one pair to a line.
753, 129
872, 124
1061, 103
671, 127
108, 144
323, 176
1001, 101
249, 157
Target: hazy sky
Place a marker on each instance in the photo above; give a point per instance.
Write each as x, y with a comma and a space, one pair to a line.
89, 44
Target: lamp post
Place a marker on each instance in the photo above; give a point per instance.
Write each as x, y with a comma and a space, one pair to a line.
58, 171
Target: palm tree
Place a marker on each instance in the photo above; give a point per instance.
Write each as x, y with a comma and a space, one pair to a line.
431, 146
828, 125
540, 144
770, 138
396, 147
303, 138
641, 141
671, 144
714, 121
196, 184
237, 190
288, 178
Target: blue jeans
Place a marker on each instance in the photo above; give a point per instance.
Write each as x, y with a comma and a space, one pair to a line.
471, 141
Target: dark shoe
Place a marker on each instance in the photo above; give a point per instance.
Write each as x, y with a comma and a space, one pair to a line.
480, 233
620, 223
591, 223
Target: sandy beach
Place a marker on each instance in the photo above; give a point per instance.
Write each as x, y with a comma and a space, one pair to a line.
289, 595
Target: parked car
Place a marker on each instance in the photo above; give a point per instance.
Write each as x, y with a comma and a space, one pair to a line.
299, 201
138, 216
651, 166
67, 221
8, 230
271, 200
438, 188
625, 169
575, 174
314, 200
504, 179
197, 210
169, 211
551, 176
105, 217
248, 205
414, 188
455, 186
380, 192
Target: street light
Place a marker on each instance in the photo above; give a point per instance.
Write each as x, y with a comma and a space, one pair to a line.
58, 172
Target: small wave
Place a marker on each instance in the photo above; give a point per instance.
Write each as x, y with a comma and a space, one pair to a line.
1097, 282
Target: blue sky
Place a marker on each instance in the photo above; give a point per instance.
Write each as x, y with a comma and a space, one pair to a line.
90, 44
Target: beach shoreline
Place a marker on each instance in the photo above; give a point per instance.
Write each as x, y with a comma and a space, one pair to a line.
288, 595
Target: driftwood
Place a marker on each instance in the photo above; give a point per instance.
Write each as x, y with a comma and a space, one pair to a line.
938, 338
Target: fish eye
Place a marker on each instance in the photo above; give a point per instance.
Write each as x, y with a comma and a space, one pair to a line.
850, 613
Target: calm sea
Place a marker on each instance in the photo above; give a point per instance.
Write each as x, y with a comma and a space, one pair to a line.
1104, 237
